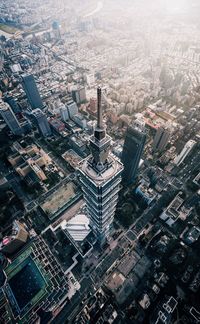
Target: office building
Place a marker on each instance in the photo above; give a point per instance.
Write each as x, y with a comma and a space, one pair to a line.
72, 108
15, 239
79, 95
78, 142
13, 104
25, 126
56, 29
132, 150
161, 139
31, 90
80, 120
57, 125
100, 177
36, 287
92, 108
39, 119
10, 119
64, 113
184, 153
90, 79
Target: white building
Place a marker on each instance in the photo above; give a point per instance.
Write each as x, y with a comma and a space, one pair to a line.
64, 113
186, 150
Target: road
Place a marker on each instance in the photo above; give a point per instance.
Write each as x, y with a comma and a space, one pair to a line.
189, 168
74, 306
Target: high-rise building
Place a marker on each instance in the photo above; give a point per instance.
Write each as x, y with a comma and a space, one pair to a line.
186, 150
13, 104
79, 95
40, 120
31, 90
100, 177
64, 113
132, 150
93, 105
161, 139
10, 119
72, 108
15, 239
56, 29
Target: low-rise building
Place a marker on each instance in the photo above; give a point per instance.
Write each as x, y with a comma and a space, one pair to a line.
145, 192
16, 238
36, 286
57, 125
175, 210
29, 160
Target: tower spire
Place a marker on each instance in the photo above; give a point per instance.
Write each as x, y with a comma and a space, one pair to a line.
99, 131
99, 109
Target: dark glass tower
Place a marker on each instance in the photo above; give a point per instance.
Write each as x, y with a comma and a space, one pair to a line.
10, 119
31, 91
161, 139
13, 104
100, 177
132, 150
38, 118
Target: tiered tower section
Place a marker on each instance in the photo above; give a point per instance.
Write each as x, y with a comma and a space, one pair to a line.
100, 177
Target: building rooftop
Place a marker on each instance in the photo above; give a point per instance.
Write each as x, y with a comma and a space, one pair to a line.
115, 281
99, 178
175, 210
26, 283
78, 227
58, 198
72, 158
35, 282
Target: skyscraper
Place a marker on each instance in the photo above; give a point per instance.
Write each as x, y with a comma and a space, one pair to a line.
72, 108
10, 118
132, 150
31, 90
161, 139
100, 176
79, 95
56, 29
39, 119
13, 104
64, 113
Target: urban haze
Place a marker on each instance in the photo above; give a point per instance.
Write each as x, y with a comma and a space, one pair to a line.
100, 161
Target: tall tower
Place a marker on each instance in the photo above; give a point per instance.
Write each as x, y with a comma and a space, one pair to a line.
13, 104
161, 139
100, 177
132, 150
10, 119
38, 117
31, 90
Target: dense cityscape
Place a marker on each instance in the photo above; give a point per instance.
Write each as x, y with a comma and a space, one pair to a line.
99, 161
